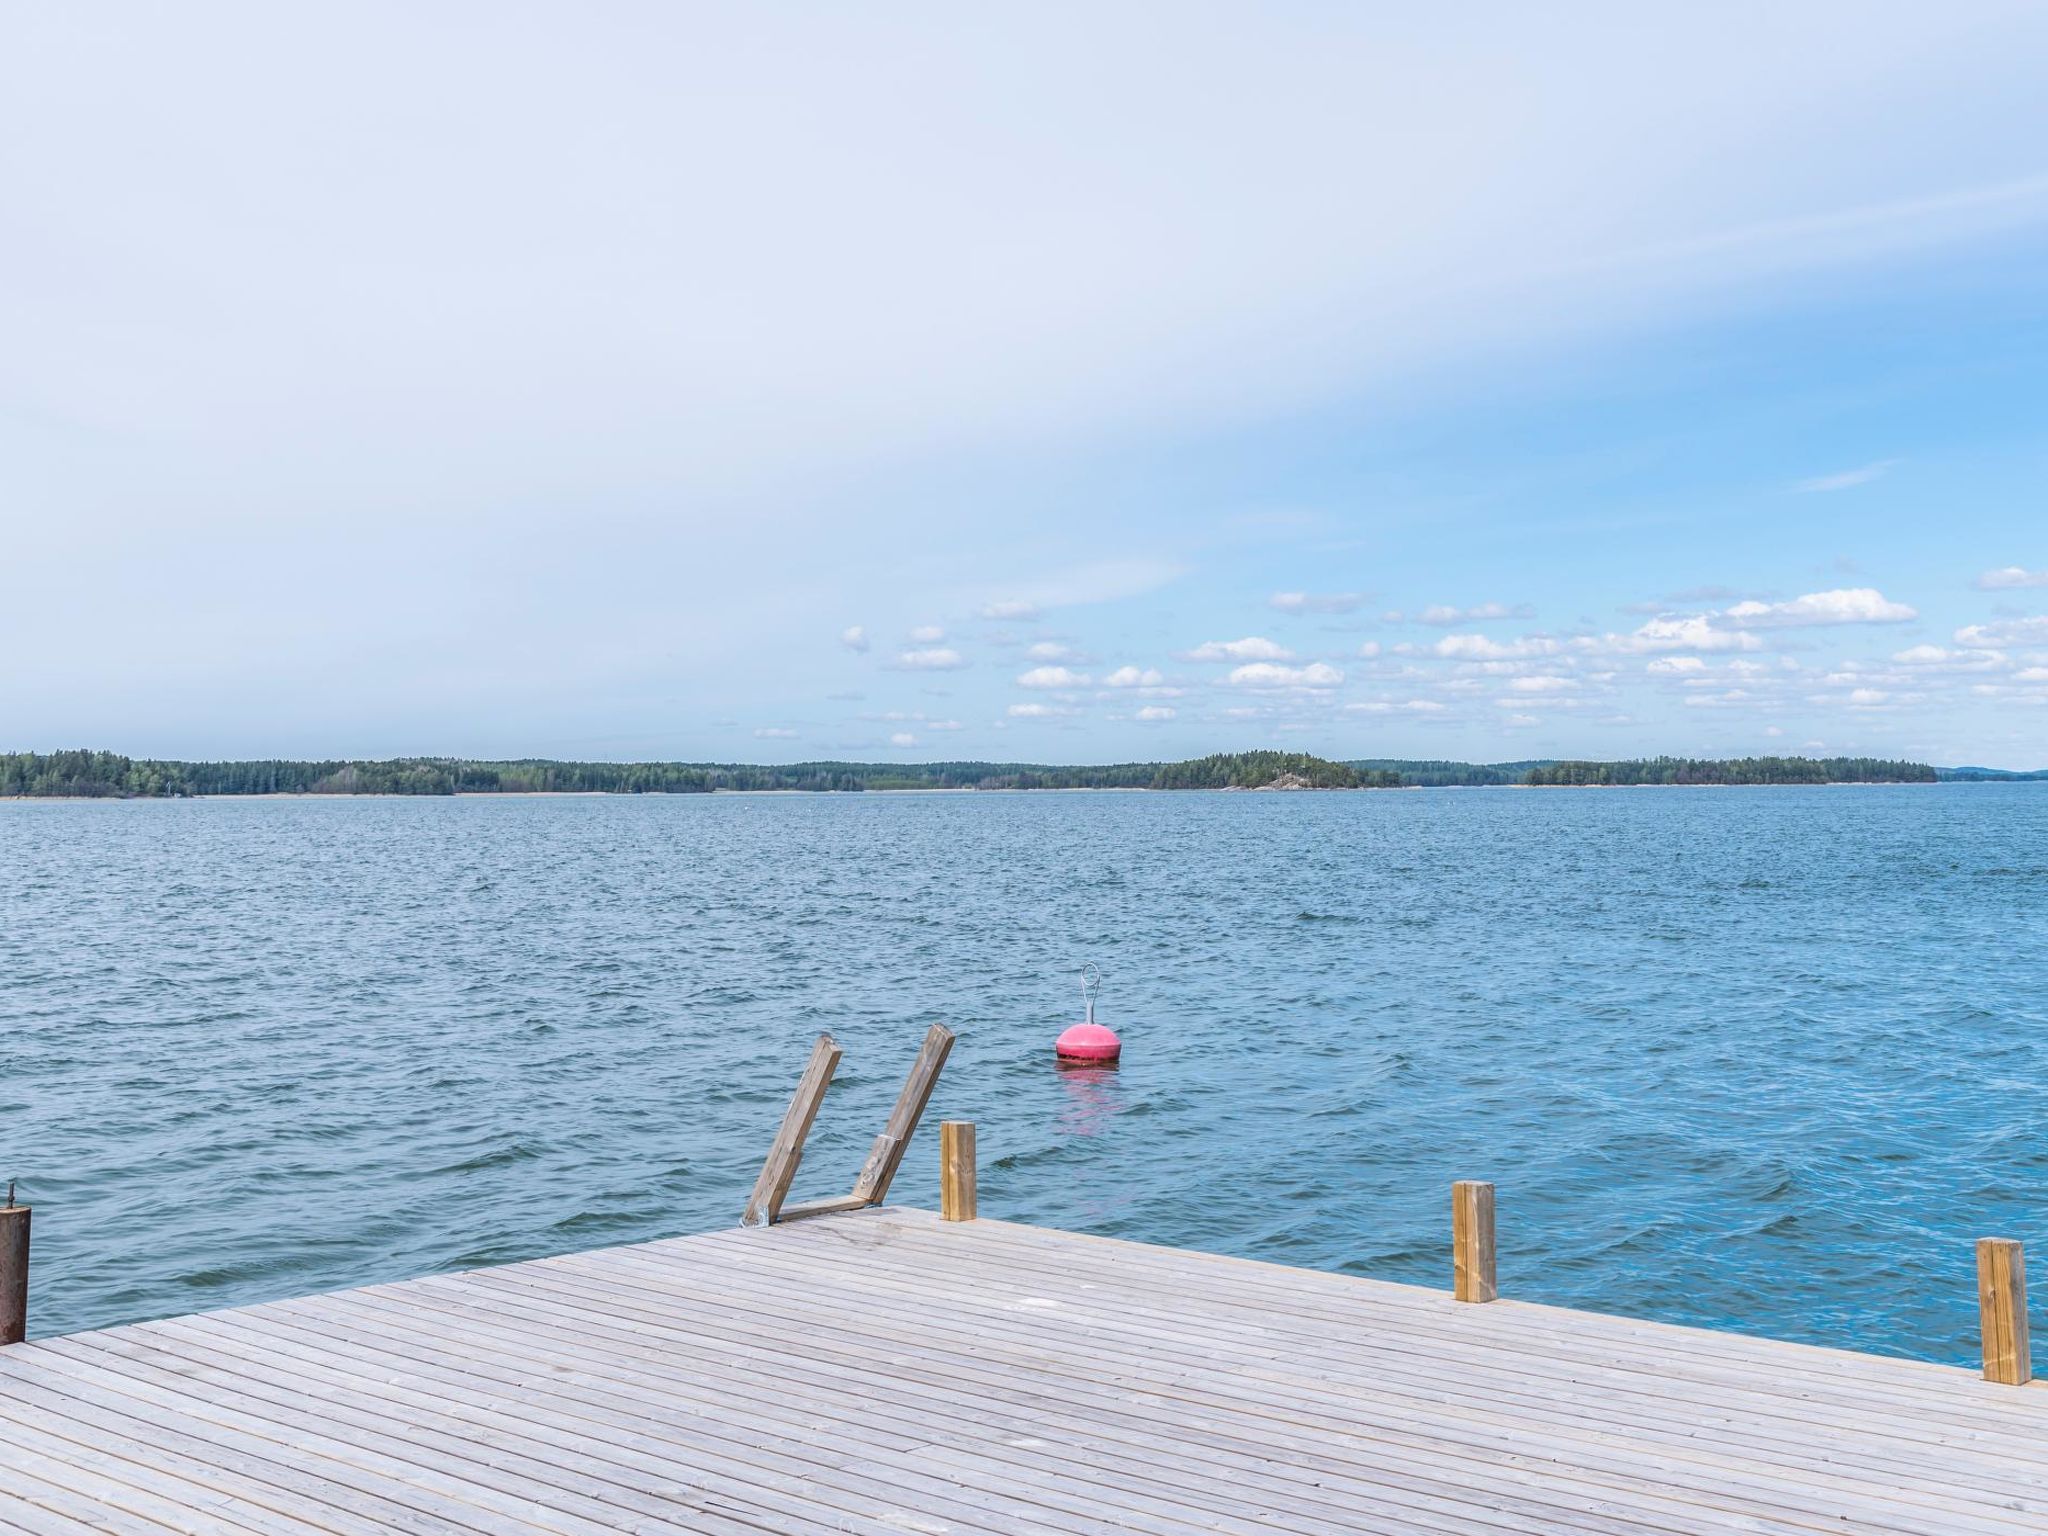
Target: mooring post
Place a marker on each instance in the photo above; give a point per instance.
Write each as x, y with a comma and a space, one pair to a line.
13, 1270
956, 1170
1472, 1271
2002, 1309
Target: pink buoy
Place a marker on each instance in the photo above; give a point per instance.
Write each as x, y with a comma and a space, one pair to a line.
1088, 1041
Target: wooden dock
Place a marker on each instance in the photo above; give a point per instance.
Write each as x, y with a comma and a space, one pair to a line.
881, 1370
840, 1366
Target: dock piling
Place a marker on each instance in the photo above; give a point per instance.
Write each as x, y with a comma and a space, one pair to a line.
1473, 1277
14, 1221
956, 1170
2002, 1309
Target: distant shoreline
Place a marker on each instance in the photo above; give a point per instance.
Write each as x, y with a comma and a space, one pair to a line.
87, 774
1076, 789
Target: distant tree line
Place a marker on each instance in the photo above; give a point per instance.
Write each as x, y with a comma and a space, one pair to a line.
1989, 775
1253, 770
108, 774
1741, 770
1434, 773
94, 774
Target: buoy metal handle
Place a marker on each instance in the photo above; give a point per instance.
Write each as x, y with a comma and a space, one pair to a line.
1091, 982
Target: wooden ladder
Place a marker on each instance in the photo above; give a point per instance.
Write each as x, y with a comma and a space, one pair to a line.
765, 1206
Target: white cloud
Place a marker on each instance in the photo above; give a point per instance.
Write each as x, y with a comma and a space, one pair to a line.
1951, 661
1729, 629
1053, 677
854, 638
1316, 602
1441, 615
1251, 648
2031, 675
1052, 650
1846, 605
1482, 648
927, 634
936, 659
1864, 698
1691, 633
1544, 684
1369, 650
1673, 666
2010, 576
774, 733
1132, 677
2032, 631
1153, 713
902, 739
1848, 478
1016, 612
1264, 674
1036, 711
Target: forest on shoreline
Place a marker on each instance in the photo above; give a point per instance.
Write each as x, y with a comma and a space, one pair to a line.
109, 775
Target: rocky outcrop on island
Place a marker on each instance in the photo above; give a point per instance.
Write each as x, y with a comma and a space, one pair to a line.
1290, 781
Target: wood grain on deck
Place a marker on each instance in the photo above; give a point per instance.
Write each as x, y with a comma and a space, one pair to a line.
882, 1371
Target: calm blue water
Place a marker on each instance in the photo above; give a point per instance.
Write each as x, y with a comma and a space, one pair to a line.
1768, 1059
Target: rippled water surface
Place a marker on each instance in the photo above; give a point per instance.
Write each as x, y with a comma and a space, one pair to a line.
1767, 1058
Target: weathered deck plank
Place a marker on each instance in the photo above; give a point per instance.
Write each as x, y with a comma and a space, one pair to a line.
883, 1371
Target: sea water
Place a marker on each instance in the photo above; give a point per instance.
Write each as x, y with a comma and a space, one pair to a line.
1767, 1059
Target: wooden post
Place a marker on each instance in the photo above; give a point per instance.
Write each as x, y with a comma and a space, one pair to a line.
2002, 1308
886, 1156
772, 1188
956, 1170
1472, 1271
13, 1270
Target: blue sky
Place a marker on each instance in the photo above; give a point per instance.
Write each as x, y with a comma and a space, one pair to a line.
1059, 384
